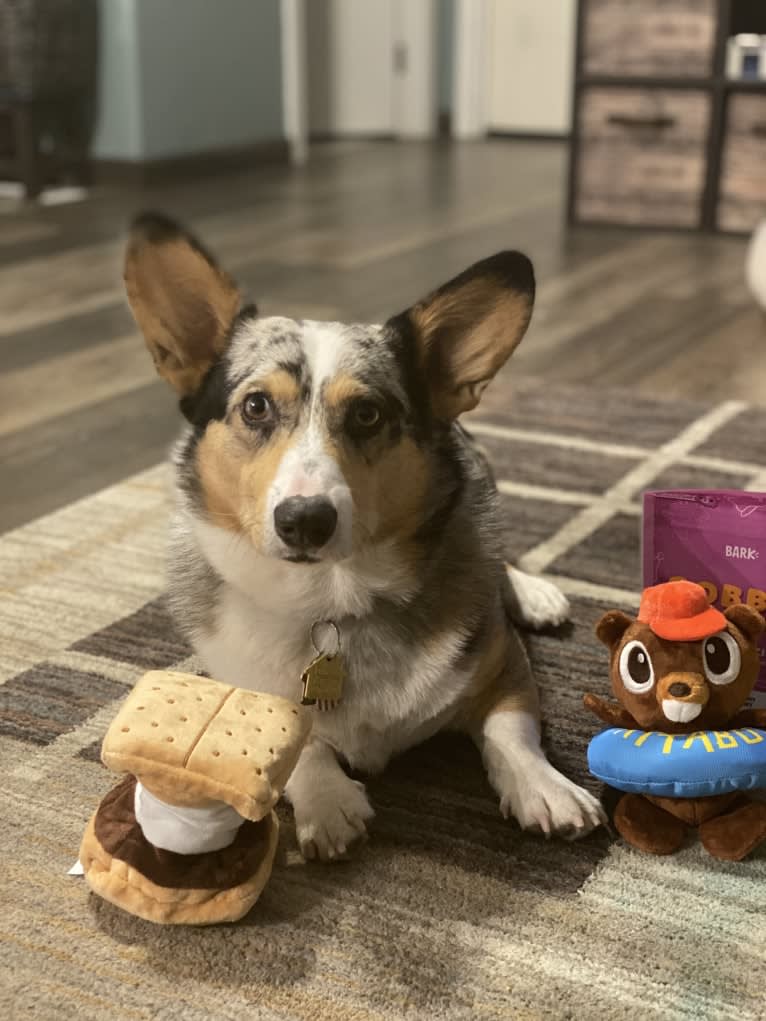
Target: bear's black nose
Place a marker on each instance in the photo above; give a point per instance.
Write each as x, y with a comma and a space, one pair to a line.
679, 690
304, 523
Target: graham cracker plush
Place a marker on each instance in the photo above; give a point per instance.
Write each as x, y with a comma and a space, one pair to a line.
205, 760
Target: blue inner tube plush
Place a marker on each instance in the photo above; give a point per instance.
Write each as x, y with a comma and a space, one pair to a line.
694, 765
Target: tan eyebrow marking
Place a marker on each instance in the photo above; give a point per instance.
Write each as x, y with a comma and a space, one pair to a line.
281, 386
342, 389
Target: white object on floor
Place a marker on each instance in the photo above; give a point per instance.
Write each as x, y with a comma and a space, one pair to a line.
755, 264
49, 197
11, 190
185, 830
76, 869
62, 196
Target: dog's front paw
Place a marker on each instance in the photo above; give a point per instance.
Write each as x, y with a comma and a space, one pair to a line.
332, 819
545, 801
538, 603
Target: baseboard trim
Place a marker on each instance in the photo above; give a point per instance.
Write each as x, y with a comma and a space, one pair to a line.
320, 137
530, 136
144, 173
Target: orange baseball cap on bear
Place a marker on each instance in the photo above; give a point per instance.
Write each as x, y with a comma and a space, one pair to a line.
680, 612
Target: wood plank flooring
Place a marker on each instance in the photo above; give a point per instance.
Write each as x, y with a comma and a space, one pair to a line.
359, 234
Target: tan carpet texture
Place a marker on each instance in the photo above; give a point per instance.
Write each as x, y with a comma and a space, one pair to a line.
449, 911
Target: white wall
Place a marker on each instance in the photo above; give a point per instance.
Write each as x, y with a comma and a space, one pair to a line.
445, 22
211, 74
119, 128
185, 76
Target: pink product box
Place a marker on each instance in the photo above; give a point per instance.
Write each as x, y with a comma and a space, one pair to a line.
715, 537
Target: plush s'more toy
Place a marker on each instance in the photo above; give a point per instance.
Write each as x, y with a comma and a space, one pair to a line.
189, 835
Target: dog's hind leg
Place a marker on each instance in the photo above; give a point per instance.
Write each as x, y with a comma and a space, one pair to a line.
533, 602
504, 721
331, 810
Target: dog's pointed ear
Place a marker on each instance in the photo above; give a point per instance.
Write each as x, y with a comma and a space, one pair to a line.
467, 329
612, 627
183, 302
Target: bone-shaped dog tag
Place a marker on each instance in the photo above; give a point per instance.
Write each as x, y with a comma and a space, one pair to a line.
323, 681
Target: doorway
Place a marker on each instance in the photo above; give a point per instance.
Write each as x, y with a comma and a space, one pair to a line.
351, 56
359, 69
514, 62
531, 59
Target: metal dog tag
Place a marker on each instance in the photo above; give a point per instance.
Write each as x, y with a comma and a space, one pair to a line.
323, 681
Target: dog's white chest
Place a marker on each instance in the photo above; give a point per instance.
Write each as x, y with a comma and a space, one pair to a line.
258, 651
389, 702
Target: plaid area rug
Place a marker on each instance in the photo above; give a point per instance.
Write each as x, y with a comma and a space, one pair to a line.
449, 911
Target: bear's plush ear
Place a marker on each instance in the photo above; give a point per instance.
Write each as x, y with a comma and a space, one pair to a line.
748, 620
612, 627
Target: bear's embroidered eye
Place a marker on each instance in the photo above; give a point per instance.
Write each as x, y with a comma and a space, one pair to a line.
722, 658
636, 670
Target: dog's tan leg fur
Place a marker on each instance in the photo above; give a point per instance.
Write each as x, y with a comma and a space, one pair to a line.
331, 810
503, 718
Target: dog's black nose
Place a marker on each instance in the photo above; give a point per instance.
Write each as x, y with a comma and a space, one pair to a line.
679, 690
305, 522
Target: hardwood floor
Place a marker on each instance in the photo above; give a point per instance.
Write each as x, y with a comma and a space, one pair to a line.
363, 231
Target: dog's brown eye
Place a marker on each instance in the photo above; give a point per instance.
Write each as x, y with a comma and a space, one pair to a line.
366, 414
256, 409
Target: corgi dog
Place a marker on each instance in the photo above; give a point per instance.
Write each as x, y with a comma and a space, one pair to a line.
330, 504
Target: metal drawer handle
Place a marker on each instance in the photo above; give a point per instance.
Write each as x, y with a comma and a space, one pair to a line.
759, 130
625, 120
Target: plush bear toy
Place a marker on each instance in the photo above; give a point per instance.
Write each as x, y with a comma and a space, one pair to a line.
189, 835
679, 744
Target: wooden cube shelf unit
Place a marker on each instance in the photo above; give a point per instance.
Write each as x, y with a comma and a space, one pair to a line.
660, 136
